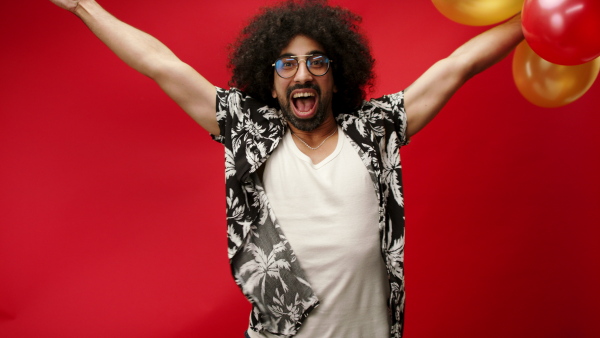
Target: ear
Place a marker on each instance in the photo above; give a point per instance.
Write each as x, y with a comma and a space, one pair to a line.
334, 89
273, 92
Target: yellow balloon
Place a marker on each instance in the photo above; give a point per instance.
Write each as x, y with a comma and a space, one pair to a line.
547, 84
478, 12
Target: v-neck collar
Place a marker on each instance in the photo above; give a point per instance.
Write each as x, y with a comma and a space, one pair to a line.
305, 158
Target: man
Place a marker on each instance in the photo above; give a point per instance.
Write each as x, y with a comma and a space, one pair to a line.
314, 198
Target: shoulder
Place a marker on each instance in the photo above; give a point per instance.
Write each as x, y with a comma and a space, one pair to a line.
391, 103
387, 108
383, 116
240, 115
236, 104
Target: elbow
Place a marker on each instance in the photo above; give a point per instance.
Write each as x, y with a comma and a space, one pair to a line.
462, 67
158, 69
152, 68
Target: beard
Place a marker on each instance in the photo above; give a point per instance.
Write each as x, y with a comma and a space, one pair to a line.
308, 124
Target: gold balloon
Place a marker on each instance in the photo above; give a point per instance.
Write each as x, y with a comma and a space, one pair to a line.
478, 12
547, 84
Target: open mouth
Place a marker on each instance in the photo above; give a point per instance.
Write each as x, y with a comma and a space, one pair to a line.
304, 103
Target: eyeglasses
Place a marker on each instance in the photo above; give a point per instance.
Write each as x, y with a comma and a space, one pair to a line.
287, 66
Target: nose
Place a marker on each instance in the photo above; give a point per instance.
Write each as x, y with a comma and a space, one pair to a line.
302, 74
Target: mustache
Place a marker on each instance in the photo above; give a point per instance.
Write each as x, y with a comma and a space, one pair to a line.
303, 86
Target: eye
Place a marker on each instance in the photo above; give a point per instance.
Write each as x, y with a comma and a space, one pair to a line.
288, 63
318, 61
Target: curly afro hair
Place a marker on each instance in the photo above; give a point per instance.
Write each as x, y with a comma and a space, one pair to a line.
335, 28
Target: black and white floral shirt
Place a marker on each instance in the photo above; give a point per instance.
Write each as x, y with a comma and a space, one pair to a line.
262, 261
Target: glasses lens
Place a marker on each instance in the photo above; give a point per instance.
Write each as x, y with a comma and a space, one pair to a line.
286, 67
318, 64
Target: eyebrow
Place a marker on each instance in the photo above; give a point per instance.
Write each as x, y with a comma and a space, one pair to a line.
311, 52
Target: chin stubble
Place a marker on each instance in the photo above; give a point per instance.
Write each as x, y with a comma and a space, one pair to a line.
309, 124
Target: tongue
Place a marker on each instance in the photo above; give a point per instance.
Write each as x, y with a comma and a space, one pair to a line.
305, 104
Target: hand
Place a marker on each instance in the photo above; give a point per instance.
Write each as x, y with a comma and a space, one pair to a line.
70, 5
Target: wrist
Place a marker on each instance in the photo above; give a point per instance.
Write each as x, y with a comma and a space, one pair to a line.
84, 7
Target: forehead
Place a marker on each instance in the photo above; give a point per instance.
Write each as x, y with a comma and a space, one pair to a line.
302, 45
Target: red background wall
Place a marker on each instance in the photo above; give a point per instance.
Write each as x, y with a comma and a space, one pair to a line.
112, 201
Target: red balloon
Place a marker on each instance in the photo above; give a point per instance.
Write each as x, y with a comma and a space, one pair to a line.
564, 32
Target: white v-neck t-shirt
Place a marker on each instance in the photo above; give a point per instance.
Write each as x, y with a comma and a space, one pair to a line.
329, 213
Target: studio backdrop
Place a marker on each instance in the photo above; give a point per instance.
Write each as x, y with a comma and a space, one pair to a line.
112, 200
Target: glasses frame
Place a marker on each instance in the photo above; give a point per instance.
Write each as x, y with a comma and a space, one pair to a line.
302, 60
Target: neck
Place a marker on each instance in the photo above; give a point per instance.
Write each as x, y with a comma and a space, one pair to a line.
316, 135
317, 143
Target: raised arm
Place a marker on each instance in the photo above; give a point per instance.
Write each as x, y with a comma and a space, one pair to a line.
147, 55
430, 92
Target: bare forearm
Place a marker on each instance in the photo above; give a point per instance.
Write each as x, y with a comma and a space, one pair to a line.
192, 92
490, 46
136, 48
434, 88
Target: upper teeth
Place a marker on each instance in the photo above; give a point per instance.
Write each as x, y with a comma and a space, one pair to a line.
304, 94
